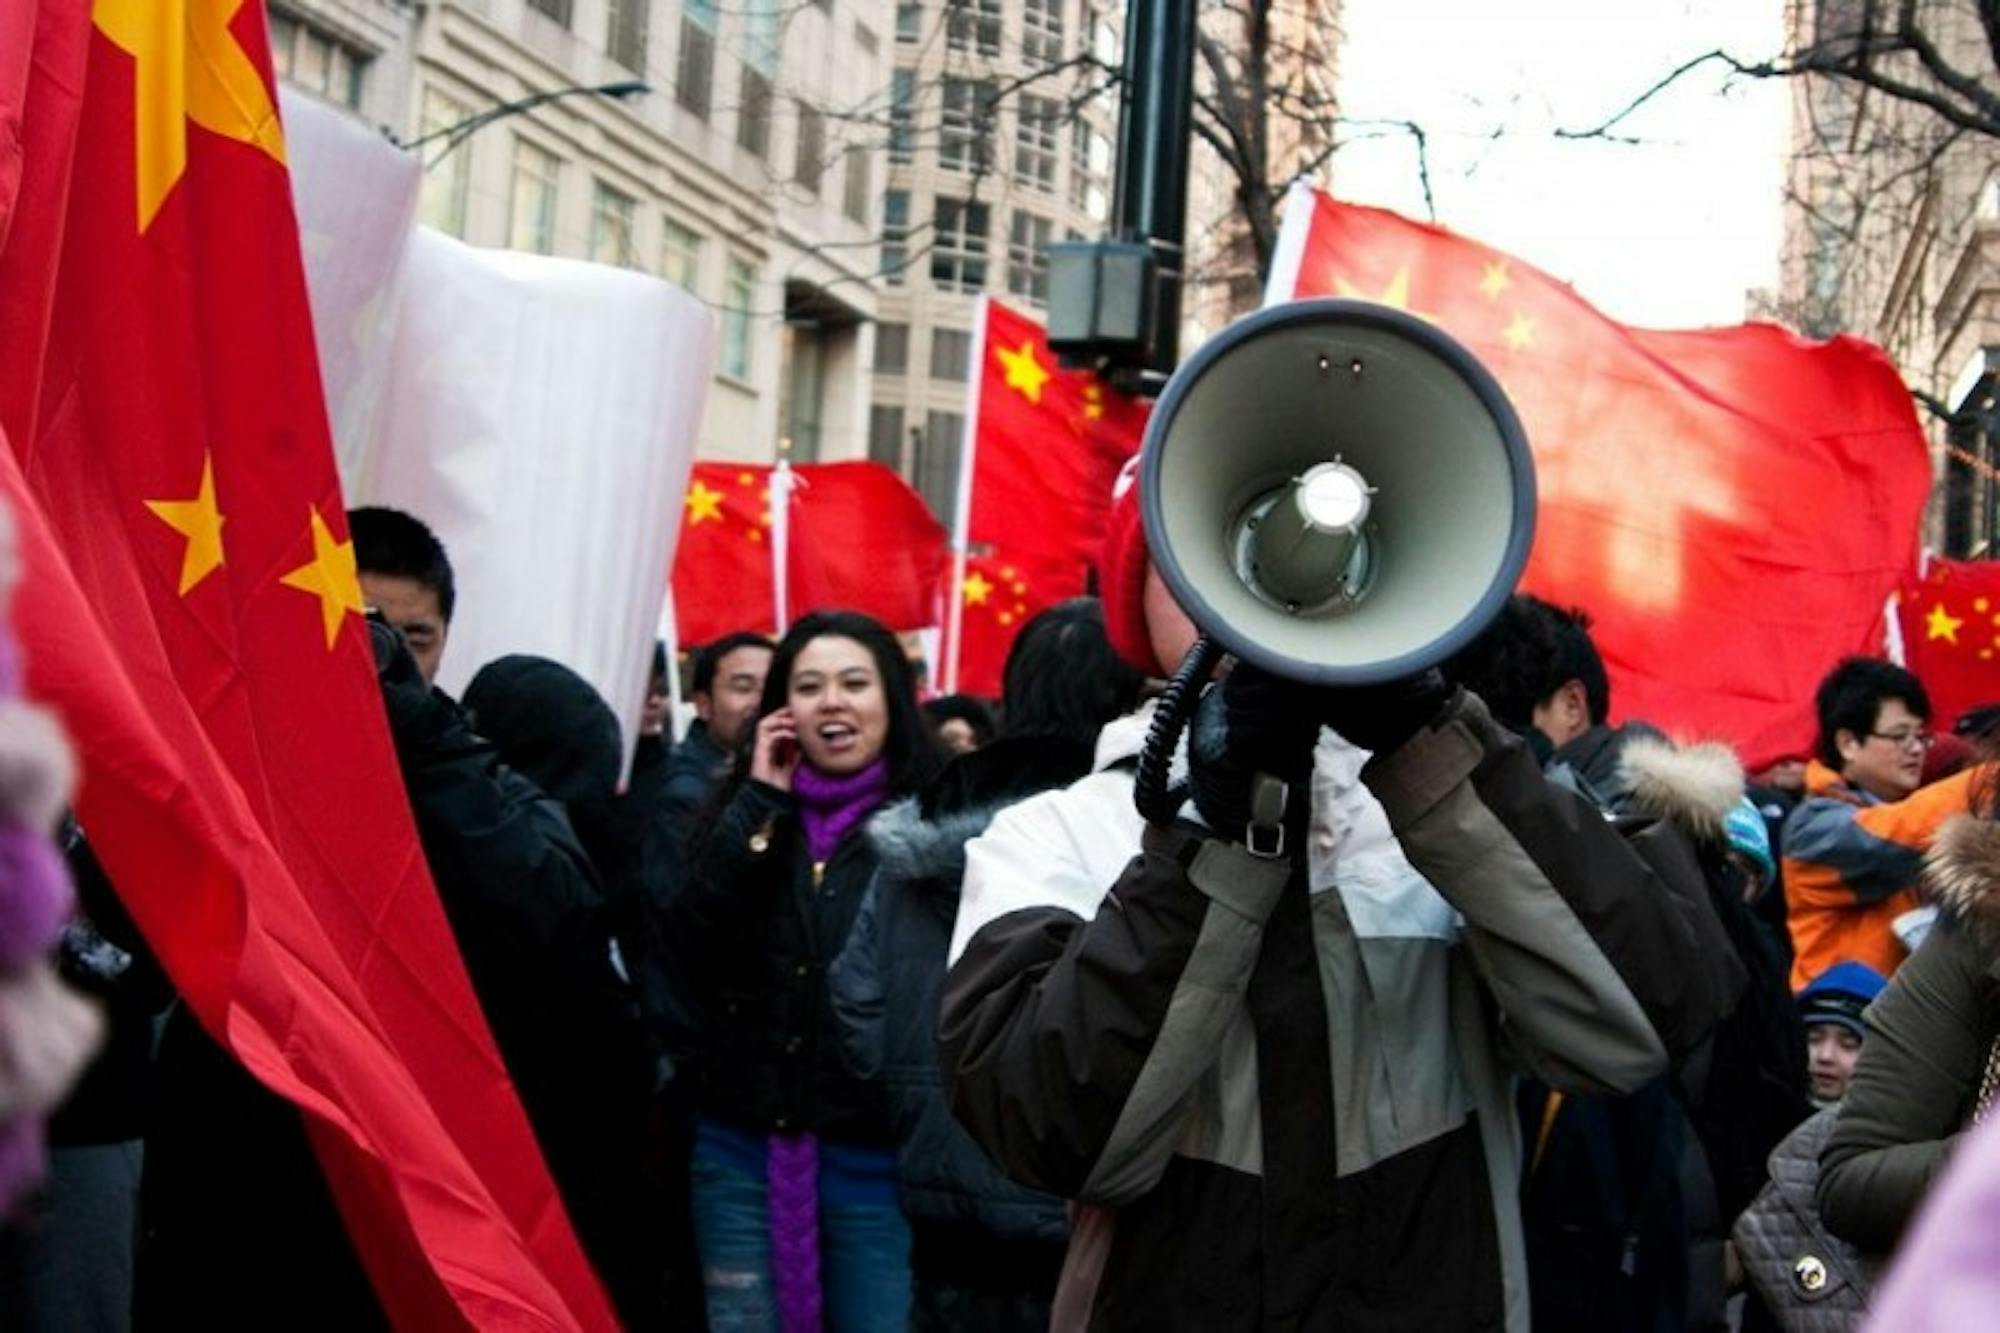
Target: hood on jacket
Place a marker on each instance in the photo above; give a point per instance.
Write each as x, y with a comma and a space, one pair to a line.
549, 725
1962, 875
923, 837
1695, 786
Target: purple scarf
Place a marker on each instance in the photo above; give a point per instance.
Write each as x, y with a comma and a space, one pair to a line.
830, 806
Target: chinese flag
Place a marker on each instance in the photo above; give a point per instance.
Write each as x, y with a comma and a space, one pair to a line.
1047, 447
1951, 635
189, 604
1732, 505
858, 539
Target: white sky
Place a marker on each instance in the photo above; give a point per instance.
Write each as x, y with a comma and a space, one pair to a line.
1668, 234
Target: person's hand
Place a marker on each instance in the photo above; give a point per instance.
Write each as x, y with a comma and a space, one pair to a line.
776, 754
47, 1034
1252, 723
1380, 718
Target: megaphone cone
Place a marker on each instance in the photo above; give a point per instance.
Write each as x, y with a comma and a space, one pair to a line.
1337, 491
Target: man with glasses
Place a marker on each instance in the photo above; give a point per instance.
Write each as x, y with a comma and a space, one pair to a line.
1854, 845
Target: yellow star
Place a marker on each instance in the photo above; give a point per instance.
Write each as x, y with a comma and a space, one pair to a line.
746, 479
1006, 618
1025, 371
188, 66
977, 589
1496, 280
1940, 624
756, 534
1520, 335
200, 522
1395, 295
1093, 402
703, 505
329, 576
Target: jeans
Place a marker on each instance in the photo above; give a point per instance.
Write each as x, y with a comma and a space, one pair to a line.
864, 1254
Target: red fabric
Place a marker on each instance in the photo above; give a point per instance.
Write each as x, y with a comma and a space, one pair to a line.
1048, 447
1951, 635
860, 540
1121, 582
1732, 505
239, 783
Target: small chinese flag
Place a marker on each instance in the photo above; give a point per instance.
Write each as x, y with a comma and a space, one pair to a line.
189, 604
1733, 506
858, 539
1047, 447
1951, 635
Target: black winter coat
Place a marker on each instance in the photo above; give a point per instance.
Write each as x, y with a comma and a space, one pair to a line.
888, 985
758, 923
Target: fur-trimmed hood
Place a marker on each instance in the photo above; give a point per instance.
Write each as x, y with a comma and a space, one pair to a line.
923, 838
1695, 786
1962, 875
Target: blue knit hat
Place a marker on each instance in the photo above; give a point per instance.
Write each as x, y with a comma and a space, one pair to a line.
1840, 995
1749, 837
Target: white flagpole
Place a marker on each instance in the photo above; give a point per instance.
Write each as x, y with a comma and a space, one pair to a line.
961, 523
1289, 257
781, 535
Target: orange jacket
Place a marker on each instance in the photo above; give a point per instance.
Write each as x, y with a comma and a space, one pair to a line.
1851, 866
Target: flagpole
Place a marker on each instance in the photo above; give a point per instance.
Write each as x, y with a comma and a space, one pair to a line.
781, 535
1290, 254
961, 523
670, 636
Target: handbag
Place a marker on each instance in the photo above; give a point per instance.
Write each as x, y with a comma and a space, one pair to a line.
1809, 1279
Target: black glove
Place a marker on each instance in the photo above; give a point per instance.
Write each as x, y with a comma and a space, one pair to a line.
1380, 718
1252, 723
418, 715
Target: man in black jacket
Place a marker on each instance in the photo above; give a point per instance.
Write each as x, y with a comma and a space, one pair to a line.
728, 682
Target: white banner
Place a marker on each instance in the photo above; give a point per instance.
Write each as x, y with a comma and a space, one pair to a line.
539, 414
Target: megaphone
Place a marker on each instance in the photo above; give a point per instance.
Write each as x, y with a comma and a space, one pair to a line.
1337, 492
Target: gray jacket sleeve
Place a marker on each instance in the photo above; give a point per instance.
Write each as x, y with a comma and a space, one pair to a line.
1597, 940
1913, 1088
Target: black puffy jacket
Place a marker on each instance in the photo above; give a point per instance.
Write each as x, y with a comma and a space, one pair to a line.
888, 985
758, 923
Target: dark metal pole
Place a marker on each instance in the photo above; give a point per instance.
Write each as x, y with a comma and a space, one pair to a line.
1155, 130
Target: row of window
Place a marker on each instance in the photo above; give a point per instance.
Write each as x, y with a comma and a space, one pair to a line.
956, 246
974, 26
316, 60
966, 137
931, 460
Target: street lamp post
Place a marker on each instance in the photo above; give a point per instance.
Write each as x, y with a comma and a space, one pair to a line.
456, 134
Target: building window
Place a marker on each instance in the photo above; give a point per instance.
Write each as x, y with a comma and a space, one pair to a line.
317, 61
532, 210
909, 21
902, 115
973, 25
680, 255
895, 235
965, 134
805, 373
1042, 32
760, 37
951, 354
555, 9
443, 204
753, 113
1089, 171
1036, 129
859, 189
739, 289
625, 39
810, 164
936, 463
1100, 39
694, 76
958, 245
892, 348
613, 216
1028, 257
885, 435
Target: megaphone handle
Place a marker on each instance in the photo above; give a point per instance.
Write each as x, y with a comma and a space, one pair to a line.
1157, 801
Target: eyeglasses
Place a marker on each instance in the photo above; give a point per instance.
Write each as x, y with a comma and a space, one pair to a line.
1905, 740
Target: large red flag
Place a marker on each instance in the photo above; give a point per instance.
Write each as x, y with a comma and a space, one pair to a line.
189, 604
1046, 449
1950, 621
1733, 505
858, 539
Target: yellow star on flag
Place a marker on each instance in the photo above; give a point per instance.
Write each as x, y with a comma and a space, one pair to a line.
1496, 280
188, 67
1025, 371
329, 576
1941, 624
703, 504
977, 589
200, 522
1093, 402
1520, 335
1395, 295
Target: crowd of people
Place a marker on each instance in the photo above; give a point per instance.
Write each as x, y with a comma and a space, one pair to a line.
1444, 1004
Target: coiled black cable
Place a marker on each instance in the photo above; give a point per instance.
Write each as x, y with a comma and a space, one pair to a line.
1157, 801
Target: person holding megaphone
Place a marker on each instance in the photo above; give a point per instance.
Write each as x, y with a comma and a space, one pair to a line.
1267, 1046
